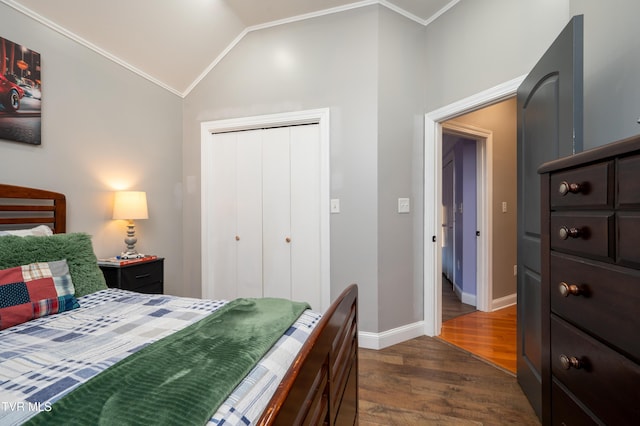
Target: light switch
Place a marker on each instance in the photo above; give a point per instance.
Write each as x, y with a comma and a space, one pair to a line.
404, 205
335, 205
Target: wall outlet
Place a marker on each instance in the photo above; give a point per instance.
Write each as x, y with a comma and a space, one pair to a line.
504, 207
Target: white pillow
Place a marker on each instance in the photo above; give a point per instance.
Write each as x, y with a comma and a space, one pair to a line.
38, 231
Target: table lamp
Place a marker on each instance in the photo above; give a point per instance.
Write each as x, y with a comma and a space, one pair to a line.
130, 205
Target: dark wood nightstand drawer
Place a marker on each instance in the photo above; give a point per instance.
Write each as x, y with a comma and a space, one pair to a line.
588, 187
143, 277
605, 381
600, 298
140, 275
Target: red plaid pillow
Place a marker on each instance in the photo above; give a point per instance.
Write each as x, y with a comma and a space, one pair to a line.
35, 290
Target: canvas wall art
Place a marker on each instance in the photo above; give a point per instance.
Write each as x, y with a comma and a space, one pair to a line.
20, 94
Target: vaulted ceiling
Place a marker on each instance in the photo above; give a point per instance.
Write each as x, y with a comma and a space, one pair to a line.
175, 42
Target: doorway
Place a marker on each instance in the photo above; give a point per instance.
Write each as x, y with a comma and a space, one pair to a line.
435, 123
466, 210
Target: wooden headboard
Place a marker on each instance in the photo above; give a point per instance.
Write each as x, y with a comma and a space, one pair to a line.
21, 206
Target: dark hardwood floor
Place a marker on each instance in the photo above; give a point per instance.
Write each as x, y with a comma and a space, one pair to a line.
428, 381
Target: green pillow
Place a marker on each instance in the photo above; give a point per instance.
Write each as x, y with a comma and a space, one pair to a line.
76, 248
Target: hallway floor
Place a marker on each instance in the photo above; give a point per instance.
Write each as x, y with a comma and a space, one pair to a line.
489, 335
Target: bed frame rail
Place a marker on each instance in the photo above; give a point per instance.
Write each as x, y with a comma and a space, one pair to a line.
321, 388
21, 206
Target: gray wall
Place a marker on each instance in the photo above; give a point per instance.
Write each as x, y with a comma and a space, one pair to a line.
611, 69
401, 95
333, 62
477, 45
366, 66
102, 128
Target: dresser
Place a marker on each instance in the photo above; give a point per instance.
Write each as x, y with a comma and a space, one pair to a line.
590, 235
142, 277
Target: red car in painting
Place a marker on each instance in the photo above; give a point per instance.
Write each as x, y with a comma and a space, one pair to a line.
10, 94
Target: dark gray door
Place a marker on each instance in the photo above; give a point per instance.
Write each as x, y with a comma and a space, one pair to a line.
549, 126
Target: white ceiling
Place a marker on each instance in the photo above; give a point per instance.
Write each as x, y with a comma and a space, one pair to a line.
174, 43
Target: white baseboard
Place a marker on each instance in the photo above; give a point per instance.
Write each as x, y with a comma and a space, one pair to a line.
390, 337
466, 298
503, 302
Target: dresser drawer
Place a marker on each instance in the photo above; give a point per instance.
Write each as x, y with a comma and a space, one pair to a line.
628, 232
605, 381
607, 300
568, 411
584, 187
628, 182
588, 234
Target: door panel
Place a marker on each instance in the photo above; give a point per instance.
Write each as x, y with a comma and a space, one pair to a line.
276, 214
249, 211
549, 126
305, 214
223, 216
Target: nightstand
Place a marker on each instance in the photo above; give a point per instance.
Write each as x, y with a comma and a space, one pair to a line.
143, 277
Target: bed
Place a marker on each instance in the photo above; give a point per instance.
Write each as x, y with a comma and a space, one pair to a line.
316, 384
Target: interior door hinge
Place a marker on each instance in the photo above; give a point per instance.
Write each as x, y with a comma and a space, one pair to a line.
433, 239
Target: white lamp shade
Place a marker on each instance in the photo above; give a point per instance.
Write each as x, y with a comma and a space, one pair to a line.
130, 205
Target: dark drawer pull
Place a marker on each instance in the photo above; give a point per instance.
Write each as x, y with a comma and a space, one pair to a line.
567, 289
139, 277
566, 187
566, 233
568, 362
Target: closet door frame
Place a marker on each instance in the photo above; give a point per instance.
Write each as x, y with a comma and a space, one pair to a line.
316, 116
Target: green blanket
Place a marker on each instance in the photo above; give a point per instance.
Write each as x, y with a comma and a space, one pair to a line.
182, 378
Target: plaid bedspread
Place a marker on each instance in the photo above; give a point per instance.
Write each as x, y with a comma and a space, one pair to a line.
43, 359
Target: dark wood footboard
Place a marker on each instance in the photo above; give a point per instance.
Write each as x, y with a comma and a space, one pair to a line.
321, 387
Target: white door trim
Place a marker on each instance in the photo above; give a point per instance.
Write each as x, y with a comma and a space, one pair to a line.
433, 192
315, 116
484, 183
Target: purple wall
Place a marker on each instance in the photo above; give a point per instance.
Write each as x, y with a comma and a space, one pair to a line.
464, 191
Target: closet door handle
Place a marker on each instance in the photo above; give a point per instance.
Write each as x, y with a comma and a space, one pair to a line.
288, 239
237, 237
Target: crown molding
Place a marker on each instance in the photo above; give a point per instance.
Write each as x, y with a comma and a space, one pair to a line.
356, 5
75, 37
